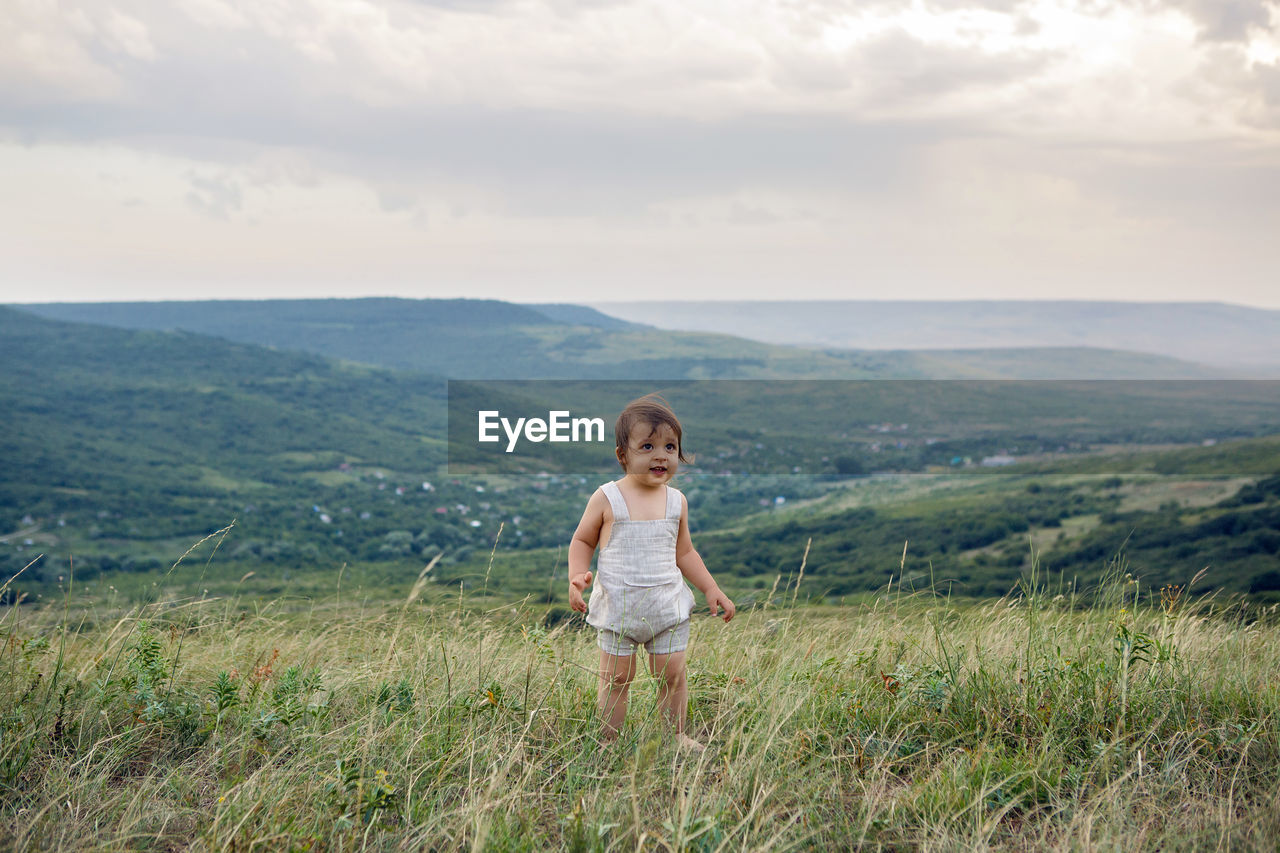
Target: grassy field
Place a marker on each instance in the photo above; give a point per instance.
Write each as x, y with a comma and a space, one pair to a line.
1147, 722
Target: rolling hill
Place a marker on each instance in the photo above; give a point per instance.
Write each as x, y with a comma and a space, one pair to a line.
1242, 340
484, 339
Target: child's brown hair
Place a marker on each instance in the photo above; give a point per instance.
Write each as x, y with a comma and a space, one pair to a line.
652, 410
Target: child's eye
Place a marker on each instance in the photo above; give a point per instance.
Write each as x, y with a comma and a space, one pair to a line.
646, 446
671, 447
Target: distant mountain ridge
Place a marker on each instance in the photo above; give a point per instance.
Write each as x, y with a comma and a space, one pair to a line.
1213, 333
488, 339
580, 315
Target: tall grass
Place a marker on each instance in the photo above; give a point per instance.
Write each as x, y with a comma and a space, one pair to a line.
1025, 723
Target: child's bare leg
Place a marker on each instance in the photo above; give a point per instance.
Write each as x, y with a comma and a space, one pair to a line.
616, 672
673, 694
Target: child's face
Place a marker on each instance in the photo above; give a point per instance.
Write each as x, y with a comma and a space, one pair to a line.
652, 455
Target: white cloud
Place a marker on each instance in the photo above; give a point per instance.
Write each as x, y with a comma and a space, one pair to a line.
988, 142
1227, 20
130, 36
681, 60
43, 57
213, 14
218, 196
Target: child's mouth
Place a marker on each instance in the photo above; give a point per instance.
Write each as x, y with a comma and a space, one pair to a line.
658, 469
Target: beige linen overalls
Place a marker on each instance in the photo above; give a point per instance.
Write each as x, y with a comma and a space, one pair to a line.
639, 592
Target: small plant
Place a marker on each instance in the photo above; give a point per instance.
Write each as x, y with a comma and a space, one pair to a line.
263, 726
695, 834
395, 698
225, 693
289, 695
359, 797
493, 697
147, 662
538, 637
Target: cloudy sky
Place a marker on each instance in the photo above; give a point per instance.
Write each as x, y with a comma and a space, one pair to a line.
583, 150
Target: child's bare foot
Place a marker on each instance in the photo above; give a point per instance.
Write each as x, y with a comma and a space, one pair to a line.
685, 742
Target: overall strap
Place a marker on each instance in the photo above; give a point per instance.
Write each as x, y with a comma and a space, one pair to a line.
675, 505
616, 501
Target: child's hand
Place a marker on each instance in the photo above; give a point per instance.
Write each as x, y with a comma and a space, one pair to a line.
576, 586
717, 600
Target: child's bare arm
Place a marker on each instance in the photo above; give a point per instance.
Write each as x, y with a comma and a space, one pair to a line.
582, 546
695, 571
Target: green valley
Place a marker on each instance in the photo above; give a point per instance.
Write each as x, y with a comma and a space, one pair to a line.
123, 447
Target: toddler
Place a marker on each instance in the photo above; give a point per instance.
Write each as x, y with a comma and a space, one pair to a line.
642, 527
